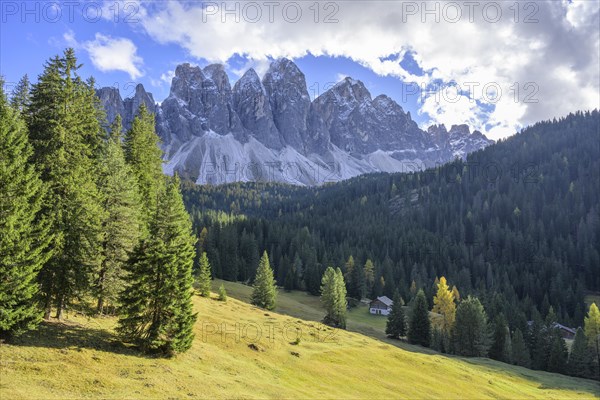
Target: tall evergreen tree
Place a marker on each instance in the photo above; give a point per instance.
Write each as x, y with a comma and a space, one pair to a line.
396, 322
358, 283
557, 356
444, 304
369, 277
419, 328
348, 272
23, 236
264, 294
520, 351
500, 346
333, 297
579, 363
122, 222
143, 154
157, 307
21, 95
204, 276
63, 120
470, 335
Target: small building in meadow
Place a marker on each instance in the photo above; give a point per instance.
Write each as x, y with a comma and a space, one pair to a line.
565, 331
381, 305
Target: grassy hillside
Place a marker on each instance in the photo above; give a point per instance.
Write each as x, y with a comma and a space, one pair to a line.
82, 358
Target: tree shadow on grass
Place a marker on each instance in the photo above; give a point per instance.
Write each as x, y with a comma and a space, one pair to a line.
74, 336
546, 380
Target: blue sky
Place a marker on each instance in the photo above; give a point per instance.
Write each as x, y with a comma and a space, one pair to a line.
390, 46
45, 39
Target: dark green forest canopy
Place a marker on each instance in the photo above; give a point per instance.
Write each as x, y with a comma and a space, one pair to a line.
516, 224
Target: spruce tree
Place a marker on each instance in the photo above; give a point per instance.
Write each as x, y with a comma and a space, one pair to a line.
265, 292
328, 291
21, 95
579, 363
122, 222
538, 342
444, 304
507, 349
63, 121
204, 276
470, 335
23, 235
348, 274
396, 322
358, 288
222, 293
341, 303
157, 302
557, 356
333, 297
143, 154
499, 349
520, 351
419, 328
369, 277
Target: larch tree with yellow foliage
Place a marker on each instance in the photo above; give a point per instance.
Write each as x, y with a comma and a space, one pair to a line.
591, 325
444, 304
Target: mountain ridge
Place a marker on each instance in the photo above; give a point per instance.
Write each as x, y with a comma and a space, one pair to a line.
269, 129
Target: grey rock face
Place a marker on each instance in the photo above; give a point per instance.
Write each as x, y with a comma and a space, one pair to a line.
217, 100
358, 124
111, 99
286, 88
251, 104
132, 105
114, 105
345, 130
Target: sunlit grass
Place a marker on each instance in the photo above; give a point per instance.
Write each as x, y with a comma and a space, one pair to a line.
244, 352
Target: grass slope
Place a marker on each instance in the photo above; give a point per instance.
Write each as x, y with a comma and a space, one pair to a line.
241, 351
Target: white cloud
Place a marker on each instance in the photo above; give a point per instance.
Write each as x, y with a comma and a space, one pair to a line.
340, 76
167, 77
558, 54
260, 65
110, 54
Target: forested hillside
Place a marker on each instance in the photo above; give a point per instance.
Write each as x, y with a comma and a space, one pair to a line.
516, 224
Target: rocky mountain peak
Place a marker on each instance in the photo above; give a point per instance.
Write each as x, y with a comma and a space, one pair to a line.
352, 90
269, 129
249, 81
216, 73
187, 79
460, 130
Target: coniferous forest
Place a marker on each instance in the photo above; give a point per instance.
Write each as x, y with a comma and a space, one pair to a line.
88, 216
517, 223
503, 246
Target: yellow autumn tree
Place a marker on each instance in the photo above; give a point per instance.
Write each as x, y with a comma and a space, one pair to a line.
443, 303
